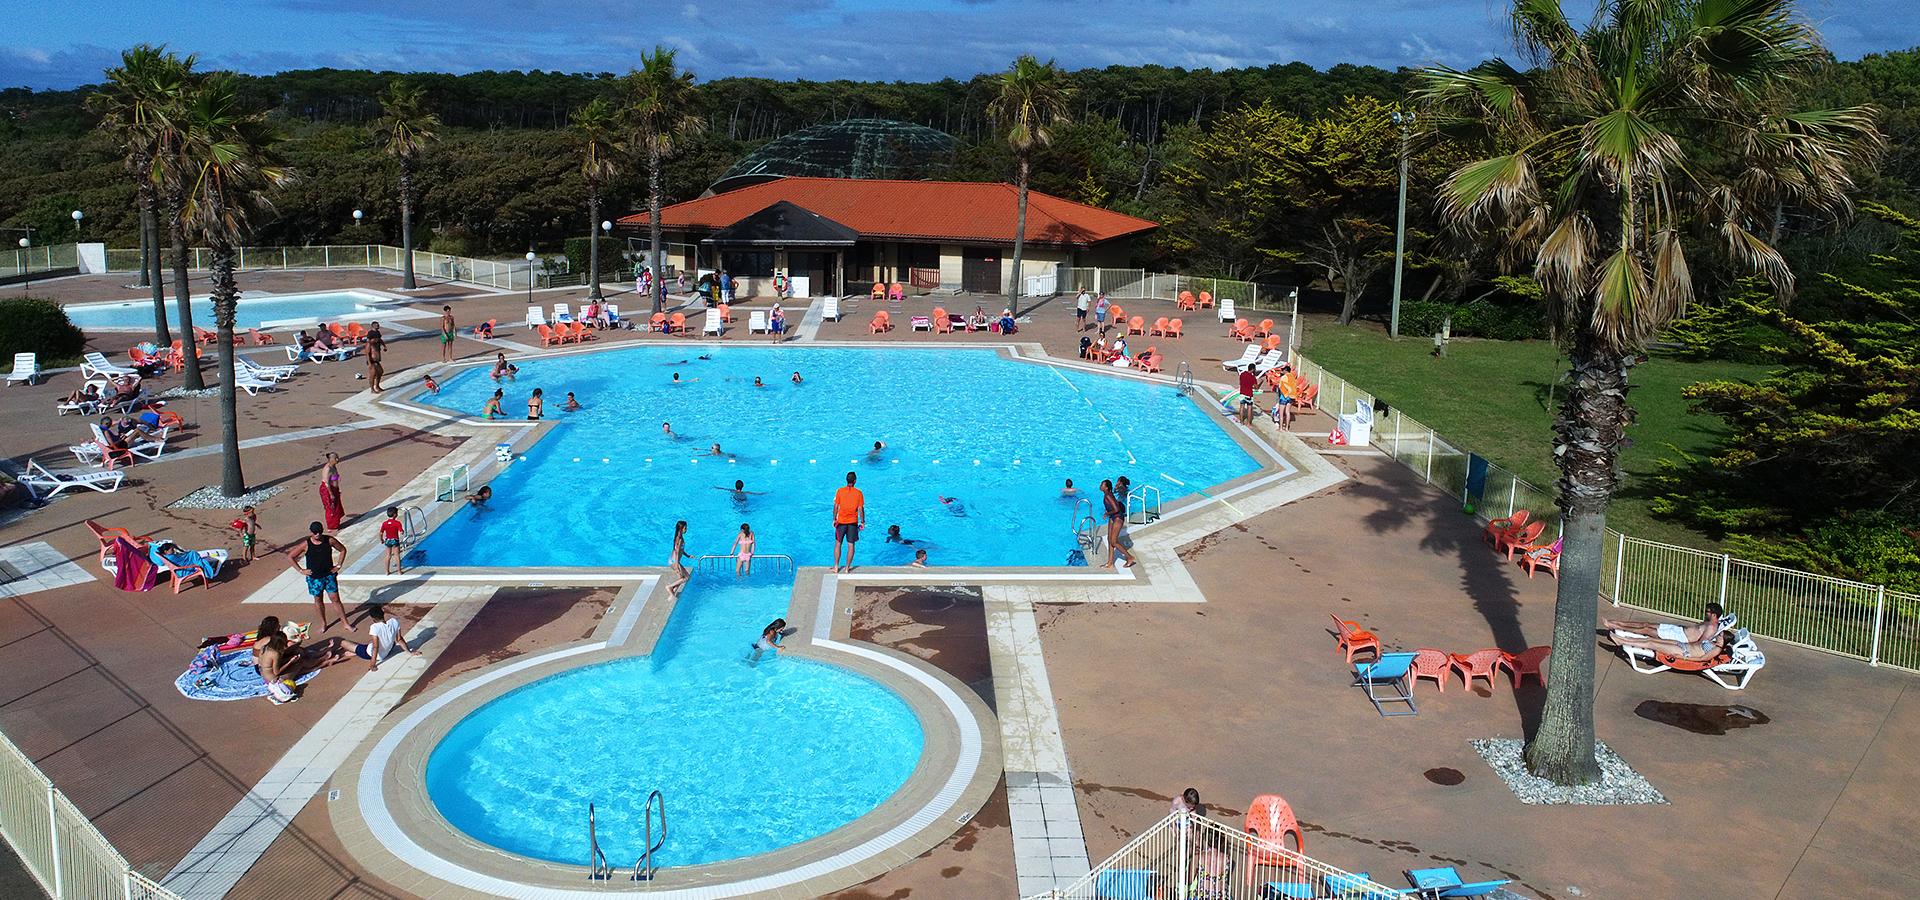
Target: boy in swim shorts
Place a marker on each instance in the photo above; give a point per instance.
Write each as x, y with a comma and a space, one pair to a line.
390, 531
249, 527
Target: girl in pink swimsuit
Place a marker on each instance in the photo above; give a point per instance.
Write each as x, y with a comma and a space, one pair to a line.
743, 551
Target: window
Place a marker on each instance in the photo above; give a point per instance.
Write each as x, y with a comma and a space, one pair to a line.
747, 263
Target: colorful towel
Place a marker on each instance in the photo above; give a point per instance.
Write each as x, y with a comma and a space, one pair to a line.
225, 676
132, 571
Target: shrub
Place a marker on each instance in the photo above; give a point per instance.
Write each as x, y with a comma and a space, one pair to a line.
610, 262
33, 325
1479, 318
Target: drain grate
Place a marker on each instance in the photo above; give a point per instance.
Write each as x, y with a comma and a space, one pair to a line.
10, 573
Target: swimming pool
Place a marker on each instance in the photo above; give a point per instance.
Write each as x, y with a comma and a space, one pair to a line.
751, 757
251, 312
997, 435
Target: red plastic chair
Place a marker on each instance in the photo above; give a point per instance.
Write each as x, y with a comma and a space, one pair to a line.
658, 323
1542, 557
1159, 327
1137, 325
1480, 664
1206, 300
1173, 327
1519, 538
1351, 638
1186, 301
1266, 328
1491, 534
677, 323
1270, 819
1434, 664
879, 291
1531, 661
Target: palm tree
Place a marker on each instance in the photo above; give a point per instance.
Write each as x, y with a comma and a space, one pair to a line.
134, 106
597, 127
231, 160
169, 183
1032, 100
660, 108
1618, 143
405, 128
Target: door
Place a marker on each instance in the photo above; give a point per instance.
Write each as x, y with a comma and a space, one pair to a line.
980, 271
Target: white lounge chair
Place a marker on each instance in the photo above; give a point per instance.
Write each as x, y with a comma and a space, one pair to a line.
253, 385
88, 454
1248, 356
1733, 674
1272, 359
337, 354
96, 363
756, 322
50, 482
711, 324
562, 314
830, 309
271, 373
143, 447
1226, 310
613, 315
536, 316
26, 367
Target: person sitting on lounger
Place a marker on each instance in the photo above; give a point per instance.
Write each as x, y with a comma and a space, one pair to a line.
325, 342
1635, 632
304, 343
173, 554
87, 396
125, 388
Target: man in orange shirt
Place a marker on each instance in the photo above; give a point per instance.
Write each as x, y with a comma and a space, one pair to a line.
849, 513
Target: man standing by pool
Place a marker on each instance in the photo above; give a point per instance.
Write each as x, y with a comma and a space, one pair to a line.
313, 558
447, 330
849, 513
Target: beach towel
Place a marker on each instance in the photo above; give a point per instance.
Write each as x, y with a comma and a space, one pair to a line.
228, 675
132, 571
185, 559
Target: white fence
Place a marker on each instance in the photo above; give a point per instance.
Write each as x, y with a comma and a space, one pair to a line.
27, 260
1185, 856
1139, 284
60, 848
1865, 621
503, 274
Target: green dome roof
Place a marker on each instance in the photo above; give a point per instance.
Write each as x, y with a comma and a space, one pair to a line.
850, 148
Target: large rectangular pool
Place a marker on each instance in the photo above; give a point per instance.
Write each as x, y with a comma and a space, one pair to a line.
252, 312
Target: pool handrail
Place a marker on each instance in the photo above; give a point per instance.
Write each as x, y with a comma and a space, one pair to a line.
598, 867
643, 868
718, 562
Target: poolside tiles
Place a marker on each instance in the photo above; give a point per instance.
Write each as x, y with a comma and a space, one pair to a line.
29, 568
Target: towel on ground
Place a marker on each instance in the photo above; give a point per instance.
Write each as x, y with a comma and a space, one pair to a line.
226, 675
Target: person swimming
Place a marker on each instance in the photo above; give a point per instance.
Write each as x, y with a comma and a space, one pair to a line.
954, 506
796, 379
879, 450
481, 496
757, 382
1069, 490
770, 638
571, 404
894, 537
739, 490
666, 428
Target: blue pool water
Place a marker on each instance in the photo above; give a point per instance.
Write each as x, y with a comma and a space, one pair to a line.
750, 758
250, 313
1000, 435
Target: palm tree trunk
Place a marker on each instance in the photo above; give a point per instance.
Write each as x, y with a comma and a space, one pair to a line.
653, 231
226, 297
150, 272
1019, 239
406, 225
146, 248
593, 241
1591, 422
183, 302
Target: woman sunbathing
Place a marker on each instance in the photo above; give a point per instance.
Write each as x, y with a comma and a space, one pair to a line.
174, 555
1692, 651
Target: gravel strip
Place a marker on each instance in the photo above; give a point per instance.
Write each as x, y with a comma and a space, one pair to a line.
209, 497
1619, 784
175, 393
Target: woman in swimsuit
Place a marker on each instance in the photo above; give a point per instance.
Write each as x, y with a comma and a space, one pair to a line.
493, 410
770, 638
743, 551
1116, 512
332, 509
502, 367
534, 405
680, 573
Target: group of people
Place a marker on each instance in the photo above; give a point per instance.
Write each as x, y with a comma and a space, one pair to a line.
282, 656
1287, 387
1096, 305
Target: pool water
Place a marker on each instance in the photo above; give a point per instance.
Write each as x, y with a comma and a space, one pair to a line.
996, 435
251, 312
750, 757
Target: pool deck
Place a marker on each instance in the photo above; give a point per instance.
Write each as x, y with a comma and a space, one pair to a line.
1239, 695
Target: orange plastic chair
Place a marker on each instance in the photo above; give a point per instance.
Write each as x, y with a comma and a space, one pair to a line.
1173, 327
1206, 300
1308, 394
1491, 534
1137, 325
261, 339
1186, 300
546, 335
1434, 664
897, 291
181, 574
1480, 664
1271, 343
658, 322
677, 323
942, 323
581, 335
169, 418
878, 325
1519, 538
1531, 661
1351, 638
1148, 361
142, 360
1270, 819
108, 533
726, 313
1159, 327
356, 332
879, 291
1242, 331
1537, 558
1266, 328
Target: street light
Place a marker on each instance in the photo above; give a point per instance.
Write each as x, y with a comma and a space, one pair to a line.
77, 216
606, 226
1405, 121
529, 277
26, 263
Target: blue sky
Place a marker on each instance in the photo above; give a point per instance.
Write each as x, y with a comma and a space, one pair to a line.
59, 45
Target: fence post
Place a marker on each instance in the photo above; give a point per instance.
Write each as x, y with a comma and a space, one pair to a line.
243, 258
369, 255
1429, 475
1619, 566
1183, 824
53, 839
1726, 565
1096, 281
1879, 616
283, 257
1512, 492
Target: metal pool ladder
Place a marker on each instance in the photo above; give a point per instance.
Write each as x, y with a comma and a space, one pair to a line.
779, 564
1148, 502
1183, 378
414, 522
599, 869
643, 868
1087, 534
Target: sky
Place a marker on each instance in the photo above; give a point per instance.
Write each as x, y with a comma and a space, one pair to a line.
61, 45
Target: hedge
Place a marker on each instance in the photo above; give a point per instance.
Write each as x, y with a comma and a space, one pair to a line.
33, 325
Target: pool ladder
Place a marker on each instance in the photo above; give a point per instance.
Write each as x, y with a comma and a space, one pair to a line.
780, 564
1087, 533
1183, 378
1143, 505
599, 869
414, 524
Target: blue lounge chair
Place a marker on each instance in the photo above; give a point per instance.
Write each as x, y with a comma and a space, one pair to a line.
1124, 884
1445, 882
1386, 681
1346, 887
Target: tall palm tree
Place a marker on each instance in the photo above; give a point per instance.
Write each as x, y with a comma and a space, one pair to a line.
1032, 100
405, 128
170, 186
597, 127
661, 110
1618, 142
231, 161
139, 96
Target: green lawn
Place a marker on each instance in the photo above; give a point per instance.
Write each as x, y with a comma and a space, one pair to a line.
1491, 397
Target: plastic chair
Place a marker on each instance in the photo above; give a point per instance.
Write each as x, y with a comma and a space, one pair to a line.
658, 322
1351, 638
1391, 671
1514, 539
260, 339
1445, 882
1271, 819
1137, 325
1187, 301
879, 324
1480, 664
1265, 329
1159, 327
1505, 523
677, 323
1242, 331
879, 291
1531, 661
1434, 664
897, 291
1206, 300
1173, 327
726, 313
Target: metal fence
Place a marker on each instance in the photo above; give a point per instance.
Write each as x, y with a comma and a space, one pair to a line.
56, 843
503, 274
1185, 856
28, 260
1140, 284
1851, 618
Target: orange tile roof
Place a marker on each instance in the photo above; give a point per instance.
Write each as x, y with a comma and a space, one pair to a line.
960, 211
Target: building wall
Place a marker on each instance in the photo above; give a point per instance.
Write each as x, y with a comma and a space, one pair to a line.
950, 266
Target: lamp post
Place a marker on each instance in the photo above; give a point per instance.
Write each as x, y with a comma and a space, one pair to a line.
26, 243
77, 216
1405, 121
593, 270
529, 277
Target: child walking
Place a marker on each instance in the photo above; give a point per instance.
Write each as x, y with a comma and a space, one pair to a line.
390, 532
249, 527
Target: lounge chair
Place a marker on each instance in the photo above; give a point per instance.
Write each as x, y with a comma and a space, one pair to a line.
107, 534
1387, 681
1117, 315
337, 354
658, 323
26, 367
1226, 309
96, 363
1159, 328
1351, 638
1265, 330
1270, 820
1270, 361
921, 323
261, 338
356, 333
50, 482
1149, 361
1206, 300
203, 336
1248, 355
536, 316
756, 321
1445, 882
184, 574
253, 384
1434, 664
1173, 327
1241, 330
942, 323
145, 448
1528, 662
613, 317
830, 309
269, 373
1480, 664
713, 324
562, 314
547, 337
1127, 884
1730, 668
881, 322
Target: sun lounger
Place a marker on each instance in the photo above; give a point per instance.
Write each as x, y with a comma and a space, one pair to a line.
253, 384
562, 314
1387, 681
1445, 882
536, 316
1730, 669
1226, 309
1248, 356
50, 482
613, 316
96, 363
830, 309
711, 324
145, 448
26, 367
184, 574
756, 322
271, 373
921, 323
1272, 359
107, 534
